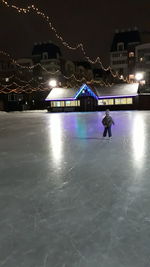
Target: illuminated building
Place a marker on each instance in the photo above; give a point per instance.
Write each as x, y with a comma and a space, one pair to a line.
86, 98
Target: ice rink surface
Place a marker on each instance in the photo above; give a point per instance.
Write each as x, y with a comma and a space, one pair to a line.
68, 198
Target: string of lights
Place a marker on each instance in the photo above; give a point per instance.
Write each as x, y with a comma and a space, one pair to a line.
20, 90
27, 67
6, 89
17, 88
31, 8
29, 82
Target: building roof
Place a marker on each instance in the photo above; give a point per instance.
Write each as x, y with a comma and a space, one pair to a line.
119, 90
125, 37
52, 50
61, 93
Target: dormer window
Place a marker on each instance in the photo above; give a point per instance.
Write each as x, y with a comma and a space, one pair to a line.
120, 46
45, 55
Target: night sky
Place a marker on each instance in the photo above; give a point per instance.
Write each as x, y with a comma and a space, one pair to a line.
90, 22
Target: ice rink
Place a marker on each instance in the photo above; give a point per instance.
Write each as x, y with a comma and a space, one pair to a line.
68, 198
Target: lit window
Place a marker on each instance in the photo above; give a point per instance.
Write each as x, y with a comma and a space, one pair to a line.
131, 54
65, 103
62, 103
68, 103
110, 101
120, 101
123, 101
106, 102
54, 103
129, 100
117, 101
73, 103
101, 102
58, 103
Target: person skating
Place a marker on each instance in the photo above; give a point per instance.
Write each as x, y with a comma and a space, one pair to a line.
107, 122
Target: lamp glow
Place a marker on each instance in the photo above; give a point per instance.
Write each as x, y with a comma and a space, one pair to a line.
139, 76
52, 83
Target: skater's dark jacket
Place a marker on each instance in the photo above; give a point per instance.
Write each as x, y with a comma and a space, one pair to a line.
107, 121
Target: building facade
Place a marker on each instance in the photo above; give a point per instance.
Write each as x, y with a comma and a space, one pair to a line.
143, 61
122, 53
129, 53
48, 57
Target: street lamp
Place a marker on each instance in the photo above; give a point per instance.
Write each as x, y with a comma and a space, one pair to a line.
52, 83
139, 76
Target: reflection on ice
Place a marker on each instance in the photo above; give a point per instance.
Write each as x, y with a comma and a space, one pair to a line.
138, 139
82, 198
56, 138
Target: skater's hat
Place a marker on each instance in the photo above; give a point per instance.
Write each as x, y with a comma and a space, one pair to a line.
107, 111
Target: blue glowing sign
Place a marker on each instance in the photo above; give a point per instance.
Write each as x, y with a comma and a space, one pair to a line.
85, 91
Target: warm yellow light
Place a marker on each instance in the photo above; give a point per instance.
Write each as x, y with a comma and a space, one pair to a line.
139, 76
52, 83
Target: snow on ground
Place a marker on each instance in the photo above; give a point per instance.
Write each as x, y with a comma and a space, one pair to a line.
68, 198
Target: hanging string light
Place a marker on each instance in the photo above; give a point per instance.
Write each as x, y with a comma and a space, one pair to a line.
77, 46
29, 82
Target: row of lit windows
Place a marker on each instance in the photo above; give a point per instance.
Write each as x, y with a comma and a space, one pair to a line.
75, 103
116, 101
110, 101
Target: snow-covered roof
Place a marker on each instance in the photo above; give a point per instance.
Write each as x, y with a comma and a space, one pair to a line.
117, 90
61, 93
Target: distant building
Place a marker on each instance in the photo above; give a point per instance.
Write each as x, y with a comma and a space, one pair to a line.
122, 53
48, 56
8, 71
127, 49
143, 61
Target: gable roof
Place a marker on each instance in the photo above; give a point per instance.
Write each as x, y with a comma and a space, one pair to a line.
85, 90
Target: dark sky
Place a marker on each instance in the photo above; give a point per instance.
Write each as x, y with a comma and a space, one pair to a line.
91, 22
